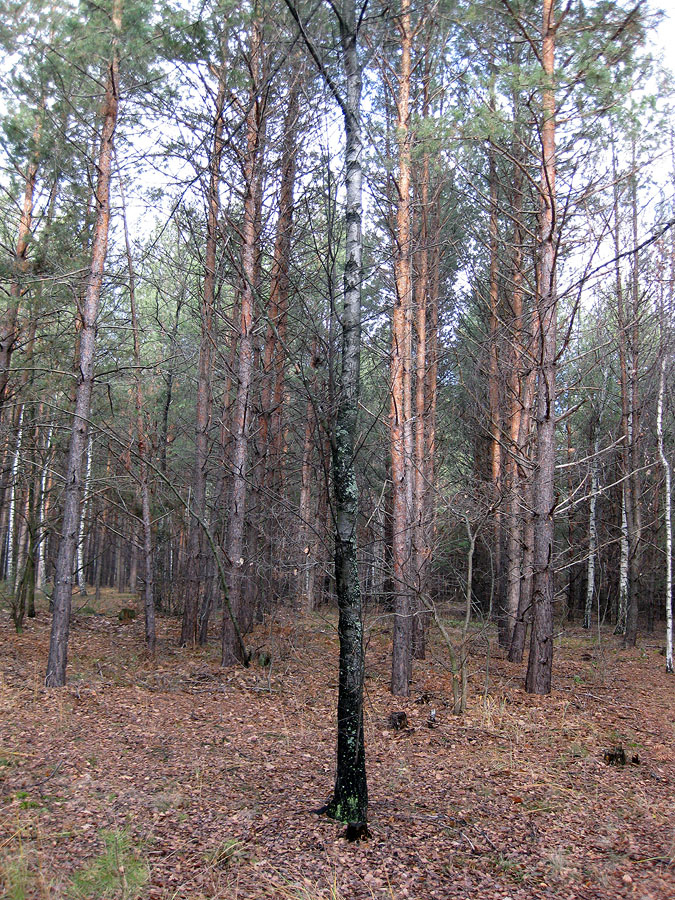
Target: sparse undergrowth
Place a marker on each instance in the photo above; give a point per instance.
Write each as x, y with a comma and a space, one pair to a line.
176, 779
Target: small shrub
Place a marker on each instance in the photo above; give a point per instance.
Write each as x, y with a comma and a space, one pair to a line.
119, 872
15, 878
225, 853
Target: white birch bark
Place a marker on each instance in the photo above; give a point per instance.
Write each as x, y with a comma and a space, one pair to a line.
592, 513
40, 572
623, 570
668, 521
81, 581
10, 567
592, 538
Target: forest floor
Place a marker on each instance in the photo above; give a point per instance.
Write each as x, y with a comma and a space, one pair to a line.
177, 779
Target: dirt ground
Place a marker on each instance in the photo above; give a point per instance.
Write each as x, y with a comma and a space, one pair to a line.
177, 779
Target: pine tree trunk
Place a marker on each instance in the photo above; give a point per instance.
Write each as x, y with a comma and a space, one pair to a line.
146, 520
72, 492
421, 550
401, 425
526, 527
540, 661
8, 323
196, 557
275, 352
504, 627
231, 647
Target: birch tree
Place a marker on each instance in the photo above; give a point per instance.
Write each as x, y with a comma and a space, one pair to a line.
349, 802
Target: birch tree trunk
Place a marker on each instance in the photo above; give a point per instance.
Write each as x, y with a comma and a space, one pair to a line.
593, 503
72, 492
43, 506
349, 802
668, 517
350, 796
10, 565
635, 546
592, 537
81, 579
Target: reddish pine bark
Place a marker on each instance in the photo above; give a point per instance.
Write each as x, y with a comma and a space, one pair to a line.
401, 426
8, 323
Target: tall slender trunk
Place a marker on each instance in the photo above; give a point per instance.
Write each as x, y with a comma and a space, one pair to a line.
274, 355
231, 647
540, 661
194, 582
81, 539
668, 518
634, 387
504, 626
526, 487
10, 558
43, 516
8, 322
350, 796
420, 536
401, 425
431, 392
516, 510
307, 528
142, 443
592, 534
421, 549
593, 504
72, 492
275, 351
349, 802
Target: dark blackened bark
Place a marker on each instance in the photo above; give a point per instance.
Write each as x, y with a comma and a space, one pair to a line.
350, 796
72, 492
540, 661
349, 802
